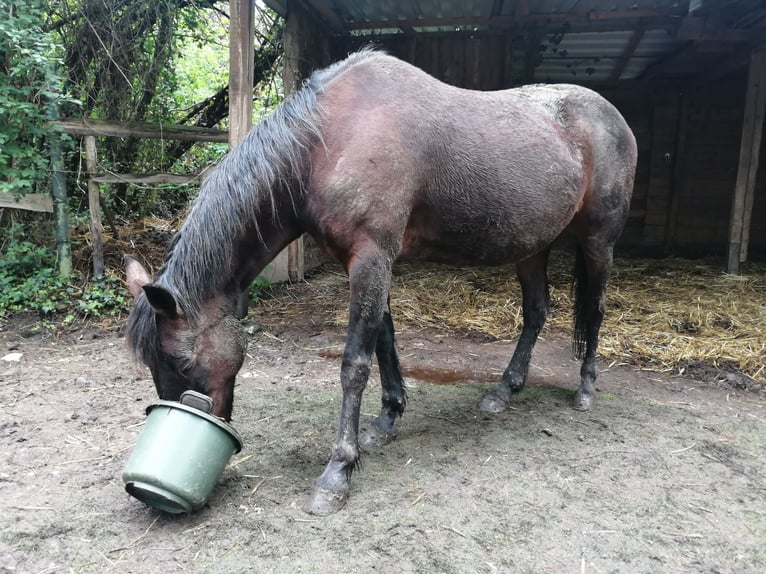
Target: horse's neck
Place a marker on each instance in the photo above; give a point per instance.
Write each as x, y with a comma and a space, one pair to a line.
262, 243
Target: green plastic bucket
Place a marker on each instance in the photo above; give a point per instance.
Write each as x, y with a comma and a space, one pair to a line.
180, 454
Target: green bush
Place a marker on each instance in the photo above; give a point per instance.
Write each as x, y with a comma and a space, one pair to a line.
25, 80
105, 296
30, 282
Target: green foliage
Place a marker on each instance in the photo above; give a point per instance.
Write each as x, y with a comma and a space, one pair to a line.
159, 61
29, 281
106, 296
25, 79
259, 289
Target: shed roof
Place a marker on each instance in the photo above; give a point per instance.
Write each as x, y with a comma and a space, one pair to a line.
589, 41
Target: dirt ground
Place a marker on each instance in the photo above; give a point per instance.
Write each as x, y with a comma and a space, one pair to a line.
666, 474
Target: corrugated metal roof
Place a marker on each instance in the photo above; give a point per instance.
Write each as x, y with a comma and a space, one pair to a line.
362, 11
592, 56
585, 6
580, 40
358, 13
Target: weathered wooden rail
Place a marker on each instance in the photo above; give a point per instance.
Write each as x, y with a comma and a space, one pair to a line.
90, 129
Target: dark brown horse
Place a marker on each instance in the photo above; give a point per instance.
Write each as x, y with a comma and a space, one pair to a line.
379, 161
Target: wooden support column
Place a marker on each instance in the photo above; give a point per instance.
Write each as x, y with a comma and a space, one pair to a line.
241, 56
750, 146
305, 48
293, 73
241, 62
94, 206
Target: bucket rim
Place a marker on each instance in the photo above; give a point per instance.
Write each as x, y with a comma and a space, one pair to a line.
220, 423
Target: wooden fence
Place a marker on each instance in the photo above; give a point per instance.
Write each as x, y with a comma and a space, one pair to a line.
90, 129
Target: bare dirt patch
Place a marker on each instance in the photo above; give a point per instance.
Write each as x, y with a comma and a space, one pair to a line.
666, 474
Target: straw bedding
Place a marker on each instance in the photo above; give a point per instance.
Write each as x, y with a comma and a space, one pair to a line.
667, 315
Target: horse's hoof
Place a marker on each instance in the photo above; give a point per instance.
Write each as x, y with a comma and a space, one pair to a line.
583, 401
324, 502
373, 437
493, 404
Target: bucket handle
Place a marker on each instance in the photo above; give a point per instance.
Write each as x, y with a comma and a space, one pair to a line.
197, 400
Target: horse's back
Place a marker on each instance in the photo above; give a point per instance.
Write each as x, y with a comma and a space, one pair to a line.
455, 173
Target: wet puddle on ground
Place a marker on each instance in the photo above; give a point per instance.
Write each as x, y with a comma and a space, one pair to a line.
446, 376
433, 375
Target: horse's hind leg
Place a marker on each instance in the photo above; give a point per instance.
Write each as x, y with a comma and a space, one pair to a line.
533, 276
369, 279
382, 429
593, 262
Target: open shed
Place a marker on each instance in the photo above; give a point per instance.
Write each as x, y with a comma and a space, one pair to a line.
688, 75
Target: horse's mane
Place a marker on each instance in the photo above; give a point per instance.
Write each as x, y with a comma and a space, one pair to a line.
268, 160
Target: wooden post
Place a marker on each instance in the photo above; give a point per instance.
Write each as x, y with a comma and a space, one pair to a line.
295, 25
58, 194
298, 34
750, 146
96, 229
241, 56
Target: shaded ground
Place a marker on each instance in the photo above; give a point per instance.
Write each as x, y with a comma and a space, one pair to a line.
665, 475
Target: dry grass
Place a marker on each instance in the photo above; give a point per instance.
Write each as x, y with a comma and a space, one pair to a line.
661, 314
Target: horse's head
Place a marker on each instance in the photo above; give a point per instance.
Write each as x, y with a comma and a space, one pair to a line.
201, 353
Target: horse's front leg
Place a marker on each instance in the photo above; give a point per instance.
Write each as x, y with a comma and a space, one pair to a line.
369, 279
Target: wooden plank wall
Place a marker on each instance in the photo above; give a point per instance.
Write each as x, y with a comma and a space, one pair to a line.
687, 170
710, 168
478, 63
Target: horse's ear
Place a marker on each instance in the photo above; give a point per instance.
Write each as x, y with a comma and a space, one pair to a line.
136, 276
162, 301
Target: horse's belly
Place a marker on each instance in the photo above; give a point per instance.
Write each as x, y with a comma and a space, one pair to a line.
471, 243
479, 228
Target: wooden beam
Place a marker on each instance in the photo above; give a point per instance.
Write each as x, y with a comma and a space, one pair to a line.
700, 28
289, 263
328, 14
94, 207
667, 64
627, 54
737, 59
522, 9
749, 154
532, 55
507, 79
241, 56
147, 178
29, 202
669, 16
91, 127
677, 175
301, 40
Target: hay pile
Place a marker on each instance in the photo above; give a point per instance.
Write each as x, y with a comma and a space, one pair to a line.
666, 314
146, 239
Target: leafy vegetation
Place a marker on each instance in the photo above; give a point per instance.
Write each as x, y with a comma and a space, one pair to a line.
27, 84
29, 282
163, 61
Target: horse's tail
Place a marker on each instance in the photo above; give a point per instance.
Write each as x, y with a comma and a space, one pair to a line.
579, 293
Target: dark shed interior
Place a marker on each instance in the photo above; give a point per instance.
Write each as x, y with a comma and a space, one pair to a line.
688, 75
